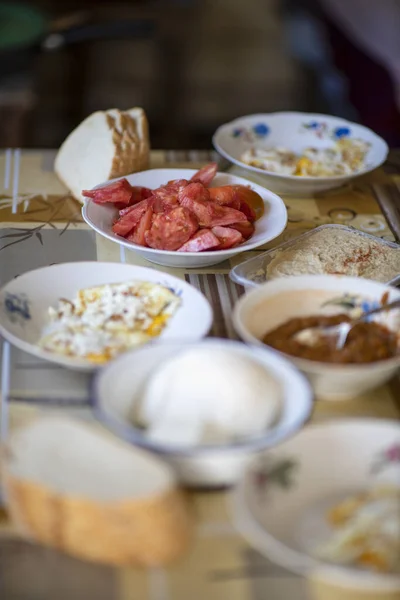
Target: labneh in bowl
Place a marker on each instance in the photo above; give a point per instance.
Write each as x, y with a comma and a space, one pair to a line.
295, 131
271, 304
119, 387
100, 217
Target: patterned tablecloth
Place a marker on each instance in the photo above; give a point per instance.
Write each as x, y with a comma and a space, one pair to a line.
41, 225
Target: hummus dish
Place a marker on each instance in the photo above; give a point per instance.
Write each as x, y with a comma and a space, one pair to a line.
337, 251
102, 322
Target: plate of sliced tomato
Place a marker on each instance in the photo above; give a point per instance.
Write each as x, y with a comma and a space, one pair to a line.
185, 218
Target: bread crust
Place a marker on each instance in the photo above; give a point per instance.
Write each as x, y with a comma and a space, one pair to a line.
142, 532
130, 138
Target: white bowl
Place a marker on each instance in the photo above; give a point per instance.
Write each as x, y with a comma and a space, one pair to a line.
295, 131
271, 304
320, 466
24, 303
101, 217
118, 385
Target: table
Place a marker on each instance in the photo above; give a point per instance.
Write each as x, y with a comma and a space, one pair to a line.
40, 224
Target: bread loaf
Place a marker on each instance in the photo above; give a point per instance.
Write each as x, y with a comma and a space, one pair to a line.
107, 144
74, 488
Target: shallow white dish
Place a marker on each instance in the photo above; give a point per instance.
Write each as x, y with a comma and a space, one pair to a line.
266, 307
119, 383
320, 466
24, 303
294, 131
101, 217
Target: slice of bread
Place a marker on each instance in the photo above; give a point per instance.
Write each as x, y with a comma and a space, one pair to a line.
76, 488
107, 144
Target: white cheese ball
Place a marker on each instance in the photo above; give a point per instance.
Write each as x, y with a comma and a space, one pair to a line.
231, 394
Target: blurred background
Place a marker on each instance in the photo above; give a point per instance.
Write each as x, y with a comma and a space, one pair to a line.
192, 64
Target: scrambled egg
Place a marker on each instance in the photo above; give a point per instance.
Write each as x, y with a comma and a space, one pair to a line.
366, 531
104, 321
347, 156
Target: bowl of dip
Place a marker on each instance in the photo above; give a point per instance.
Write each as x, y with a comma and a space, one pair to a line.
273, 313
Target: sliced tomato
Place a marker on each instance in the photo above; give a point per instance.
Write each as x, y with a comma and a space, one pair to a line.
229, 238
245, 228
131, 218
210, 214
252, 199
206, 174
202, 240
194, 191
119, 192
226, 195
137, 236
248, 211
166, 199
171, 229
177, 184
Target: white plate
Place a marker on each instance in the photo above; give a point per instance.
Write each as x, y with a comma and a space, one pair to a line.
281, 499
294, 131
101, 217
117, 386
24, 303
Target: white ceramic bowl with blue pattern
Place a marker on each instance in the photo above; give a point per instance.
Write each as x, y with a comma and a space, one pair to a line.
271, 304
294, 131
25, 301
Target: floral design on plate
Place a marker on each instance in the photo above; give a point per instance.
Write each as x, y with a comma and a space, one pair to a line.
17, 307
274, 474
353, 303
322, 131
177, 292
388, 457
251, 134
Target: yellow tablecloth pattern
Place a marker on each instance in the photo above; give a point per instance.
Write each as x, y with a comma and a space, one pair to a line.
40, 224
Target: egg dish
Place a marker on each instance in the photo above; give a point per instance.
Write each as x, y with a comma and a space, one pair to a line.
366, 531
101, 322
345, 157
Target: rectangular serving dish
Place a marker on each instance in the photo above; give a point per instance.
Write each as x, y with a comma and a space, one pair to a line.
252, 272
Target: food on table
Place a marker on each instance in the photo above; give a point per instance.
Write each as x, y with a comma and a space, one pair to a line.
182, 215
337, 252
366, 342
208, 395
345, 157
120, 193
106, 145
366, 531
101, 322
73, 487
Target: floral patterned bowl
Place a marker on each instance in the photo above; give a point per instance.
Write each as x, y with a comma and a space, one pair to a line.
266, 307
25, 300
280, 504
294, 131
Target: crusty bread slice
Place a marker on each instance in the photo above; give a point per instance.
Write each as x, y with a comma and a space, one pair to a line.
139, 122
107, 144
75, 488
128, 137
